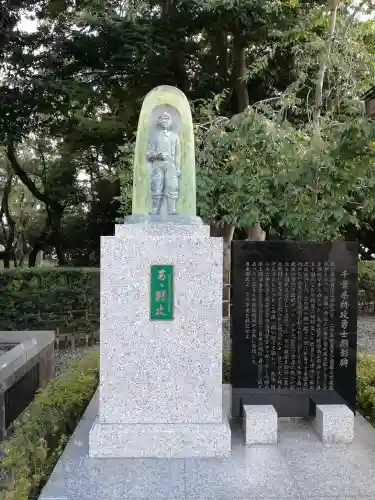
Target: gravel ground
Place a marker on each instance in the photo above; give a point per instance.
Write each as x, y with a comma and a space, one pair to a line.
64, 356
366, 334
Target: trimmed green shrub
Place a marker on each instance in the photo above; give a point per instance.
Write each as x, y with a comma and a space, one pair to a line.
227, 363
366, 386
39, 436
366, 275
45, 298
366, 286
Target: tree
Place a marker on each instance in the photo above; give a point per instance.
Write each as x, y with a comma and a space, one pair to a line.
49, 173
311, 180
82, 229
254, 169
79, 80
53, 88
20, 216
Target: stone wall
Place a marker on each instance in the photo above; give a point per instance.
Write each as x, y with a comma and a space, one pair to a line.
29, 349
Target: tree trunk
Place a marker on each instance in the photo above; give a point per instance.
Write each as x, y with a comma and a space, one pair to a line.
239, 71
177, 58
40, 243
56, 219
9, 253
6, 259
223, 64
226, 232
256, 233
51, 234
16, 262
167, 5
9, 238
333, 5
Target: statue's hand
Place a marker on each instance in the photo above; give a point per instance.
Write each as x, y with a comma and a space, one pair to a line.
163, 156
178, 173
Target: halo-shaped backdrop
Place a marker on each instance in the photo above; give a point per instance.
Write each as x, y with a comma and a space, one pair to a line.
173, 101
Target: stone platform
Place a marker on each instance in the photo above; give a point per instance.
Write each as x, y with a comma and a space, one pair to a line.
298, 467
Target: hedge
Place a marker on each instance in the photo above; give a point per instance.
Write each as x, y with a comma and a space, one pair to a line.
47, 298
366, 286
366, 275
366, 386
39, 436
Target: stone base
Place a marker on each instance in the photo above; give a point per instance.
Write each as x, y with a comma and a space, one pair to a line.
259, 424
167, 219
159, 440
334, 424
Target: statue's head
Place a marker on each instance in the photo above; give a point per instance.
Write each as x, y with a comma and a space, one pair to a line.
165, 121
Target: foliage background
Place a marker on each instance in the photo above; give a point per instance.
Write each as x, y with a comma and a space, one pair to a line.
50, 298
298, 160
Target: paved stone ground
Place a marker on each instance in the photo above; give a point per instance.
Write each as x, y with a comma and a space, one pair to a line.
299, 467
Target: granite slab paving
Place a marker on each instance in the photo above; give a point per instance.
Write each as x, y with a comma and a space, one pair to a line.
298, 467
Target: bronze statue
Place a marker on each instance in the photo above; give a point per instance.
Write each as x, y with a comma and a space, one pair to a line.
163, 153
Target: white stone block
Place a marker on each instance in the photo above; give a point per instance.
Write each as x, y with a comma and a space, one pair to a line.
334, 424
160, 440
166, 230
259, 424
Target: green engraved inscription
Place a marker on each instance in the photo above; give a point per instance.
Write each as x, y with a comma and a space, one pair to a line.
161, 289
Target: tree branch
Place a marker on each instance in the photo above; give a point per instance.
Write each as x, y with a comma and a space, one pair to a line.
25, 179
40, 150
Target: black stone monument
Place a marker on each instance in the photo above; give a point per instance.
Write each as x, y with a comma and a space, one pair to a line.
294, 325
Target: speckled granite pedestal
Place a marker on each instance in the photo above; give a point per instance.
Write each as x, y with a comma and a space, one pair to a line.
160, 381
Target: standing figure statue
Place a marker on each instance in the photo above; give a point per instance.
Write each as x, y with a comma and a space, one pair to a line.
163, 153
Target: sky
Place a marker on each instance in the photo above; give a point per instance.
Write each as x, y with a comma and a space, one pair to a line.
28, 25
